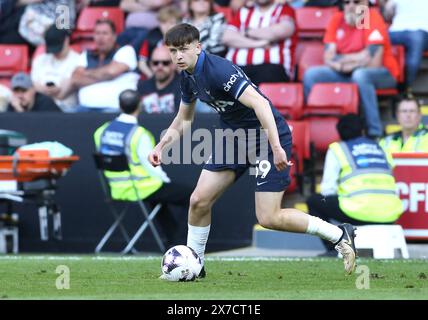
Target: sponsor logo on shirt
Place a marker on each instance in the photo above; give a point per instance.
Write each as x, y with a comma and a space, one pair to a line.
228, 85
340, 34
375, 36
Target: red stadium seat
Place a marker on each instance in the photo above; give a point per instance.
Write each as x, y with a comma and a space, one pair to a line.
286, 97
332, 99
13, 59
301, 151
322, 131
227, 12
313, 21
312, 54
87, 18
326, 103
5, 82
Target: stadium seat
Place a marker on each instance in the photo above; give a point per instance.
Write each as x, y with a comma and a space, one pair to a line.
383, 240
120, 163
322, 131
301, 154
332, 99
88, 16
5, 82
326, 103
13, 59
286, 97
312, 54
313, 21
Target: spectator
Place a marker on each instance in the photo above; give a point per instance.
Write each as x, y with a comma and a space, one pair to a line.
168, 17
209, 23
409, 28
51, 70
26, 99
123, 135
358, 50
140, 20
11, 12
413, 136
161, 93
357, 185
262, 40
104, 73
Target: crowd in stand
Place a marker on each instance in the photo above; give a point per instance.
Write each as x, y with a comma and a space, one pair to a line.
260, 36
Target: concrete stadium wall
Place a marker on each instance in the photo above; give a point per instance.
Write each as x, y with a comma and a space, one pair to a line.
85, 216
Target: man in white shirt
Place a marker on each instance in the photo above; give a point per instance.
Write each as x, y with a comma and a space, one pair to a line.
52, 70
409, 28
104, 72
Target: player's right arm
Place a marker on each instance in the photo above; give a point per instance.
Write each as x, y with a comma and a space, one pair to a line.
178, 126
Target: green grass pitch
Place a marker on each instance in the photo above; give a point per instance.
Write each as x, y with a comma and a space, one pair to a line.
133, 277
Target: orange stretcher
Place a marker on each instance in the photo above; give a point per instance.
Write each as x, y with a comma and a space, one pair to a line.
30, 165
36, 174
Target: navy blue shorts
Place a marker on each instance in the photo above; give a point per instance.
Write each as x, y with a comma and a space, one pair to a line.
231, 153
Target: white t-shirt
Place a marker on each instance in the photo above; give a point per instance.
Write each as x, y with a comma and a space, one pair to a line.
46, 68
105, 94
410, 15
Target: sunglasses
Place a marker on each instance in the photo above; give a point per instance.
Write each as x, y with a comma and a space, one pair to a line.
165, 63
350, 1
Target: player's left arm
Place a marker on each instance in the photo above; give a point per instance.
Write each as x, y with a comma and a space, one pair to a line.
252, 99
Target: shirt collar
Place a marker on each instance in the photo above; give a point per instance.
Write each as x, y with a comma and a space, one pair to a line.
127, 118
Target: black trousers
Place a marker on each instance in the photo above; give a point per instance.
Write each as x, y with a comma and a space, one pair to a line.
266, 73
173, 216
327, 208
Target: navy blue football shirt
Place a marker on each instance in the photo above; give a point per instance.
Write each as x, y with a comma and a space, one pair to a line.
219, 83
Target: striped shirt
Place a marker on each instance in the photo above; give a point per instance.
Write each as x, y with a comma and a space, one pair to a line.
211, 32
281, 52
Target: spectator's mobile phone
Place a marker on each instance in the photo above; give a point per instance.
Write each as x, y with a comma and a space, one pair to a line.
50, 84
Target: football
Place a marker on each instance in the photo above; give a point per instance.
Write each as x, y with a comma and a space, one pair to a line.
180, 263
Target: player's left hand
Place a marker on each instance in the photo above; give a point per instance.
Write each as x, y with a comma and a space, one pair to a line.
280, 159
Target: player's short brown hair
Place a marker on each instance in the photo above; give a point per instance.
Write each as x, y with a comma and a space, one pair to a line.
181, 34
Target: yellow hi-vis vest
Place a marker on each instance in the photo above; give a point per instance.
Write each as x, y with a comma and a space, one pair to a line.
120, 183
366, 193
418, 142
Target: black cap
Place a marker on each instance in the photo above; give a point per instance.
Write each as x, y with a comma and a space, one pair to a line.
54, 39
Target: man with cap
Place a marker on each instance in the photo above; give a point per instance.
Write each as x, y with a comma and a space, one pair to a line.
51, 71
25, 98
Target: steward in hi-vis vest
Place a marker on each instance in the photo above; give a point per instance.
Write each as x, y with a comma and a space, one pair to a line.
119, 137
366, 188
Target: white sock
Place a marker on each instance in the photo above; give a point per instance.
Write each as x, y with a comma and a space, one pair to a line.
197, 238
323, 229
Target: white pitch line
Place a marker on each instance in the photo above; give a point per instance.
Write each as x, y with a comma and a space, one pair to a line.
209, 258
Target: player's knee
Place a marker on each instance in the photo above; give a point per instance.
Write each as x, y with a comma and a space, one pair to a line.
266, 221
199, 203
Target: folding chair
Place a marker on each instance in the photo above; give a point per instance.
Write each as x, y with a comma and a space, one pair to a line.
120, 163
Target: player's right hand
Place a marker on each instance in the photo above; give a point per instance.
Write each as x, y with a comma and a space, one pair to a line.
155, 157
